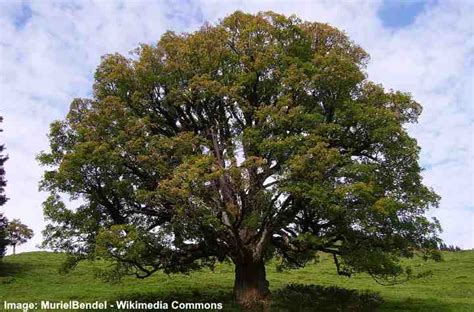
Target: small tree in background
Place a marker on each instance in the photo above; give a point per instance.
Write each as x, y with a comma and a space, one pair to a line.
3, 235
18, 233
3, 199
445, 247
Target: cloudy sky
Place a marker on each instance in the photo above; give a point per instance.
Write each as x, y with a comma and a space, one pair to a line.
49, 50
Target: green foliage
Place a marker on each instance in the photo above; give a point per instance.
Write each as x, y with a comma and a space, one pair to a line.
18, 233
3, 235
3, 199
255, 137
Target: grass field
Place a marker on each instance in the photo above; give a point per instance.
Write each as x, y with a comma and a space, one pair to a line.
32, 277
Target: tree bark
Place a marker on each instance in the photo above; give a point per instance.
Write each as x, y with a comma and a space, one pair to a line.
251, 285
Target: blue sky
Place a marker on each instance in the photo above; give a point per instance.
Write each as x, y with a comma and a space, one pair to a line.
392, 13
49, 50
21, 15
397, 13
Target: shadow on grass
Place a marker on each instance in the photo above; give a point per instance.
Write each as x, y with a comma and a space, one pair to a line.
420, 305
9, 270
294, 297
297, 297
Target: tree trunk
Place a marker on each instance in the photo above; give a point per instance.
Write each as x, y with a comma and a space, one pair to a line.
14, 247
251, 285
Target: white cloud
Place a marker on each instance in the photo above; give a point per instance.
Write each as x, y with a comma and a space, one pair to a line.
51, 58
47, 62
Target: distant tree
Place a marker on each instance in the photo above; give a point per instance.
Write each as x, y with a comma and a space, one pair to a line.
453, 248
255, 138
18, 233
3, 235
3, 199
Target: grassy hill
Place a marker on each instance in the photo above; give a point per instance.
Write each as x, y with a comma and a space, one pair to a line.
32, 277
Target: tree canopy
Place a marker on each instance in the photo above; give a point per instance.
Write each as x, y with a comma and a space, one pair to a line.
254, 138
18, 233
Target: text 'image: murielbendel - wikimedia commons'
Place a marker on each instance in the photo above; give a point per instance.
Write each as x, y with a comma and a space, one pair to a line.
237, 155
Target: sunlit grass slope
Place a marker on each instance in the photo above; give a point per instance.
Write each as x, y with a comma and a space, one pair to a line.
32, 277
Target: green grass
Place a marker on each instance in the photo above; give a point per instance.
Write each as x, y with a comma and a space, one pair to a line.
32, 277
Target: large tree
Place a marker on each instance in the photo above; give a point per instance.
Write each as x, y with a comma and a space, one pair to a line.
3, 199
253, 138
